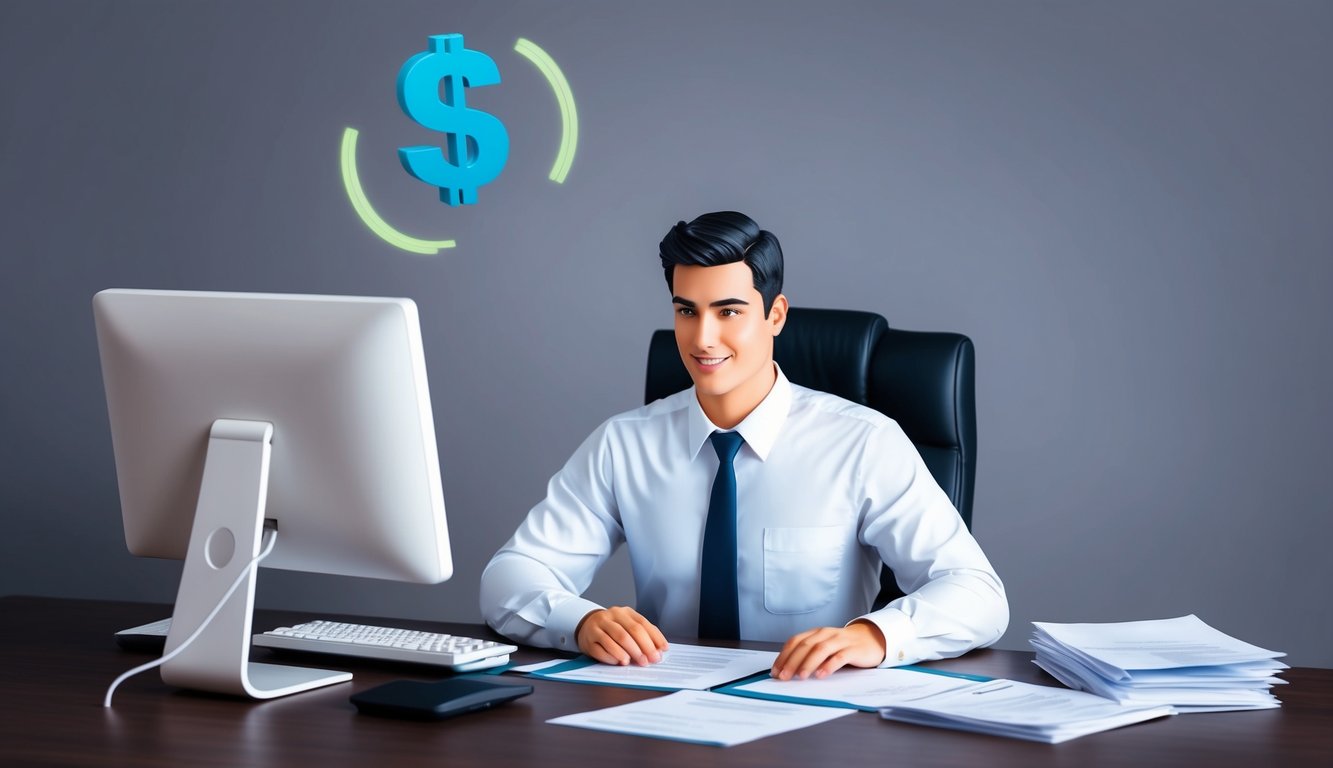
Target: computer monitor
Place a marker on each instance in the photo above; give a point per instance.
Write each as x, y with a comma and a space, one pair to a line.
232, 413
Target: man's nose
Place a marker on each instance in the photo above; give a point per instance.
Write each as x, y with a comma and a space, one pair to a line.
705, 332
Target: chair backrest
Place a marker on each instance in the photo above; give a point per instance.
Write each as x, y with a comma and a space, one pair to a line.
925, 381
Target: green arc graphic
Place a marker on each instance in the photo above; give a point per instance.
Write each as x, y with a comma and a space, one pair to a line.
367, 213
569, 117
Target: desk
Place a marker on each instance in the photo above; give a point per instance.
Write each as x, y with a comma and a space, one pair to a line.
59, 657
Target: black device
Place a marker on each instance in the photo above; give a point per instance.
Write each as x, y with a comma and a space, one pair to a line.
416, 700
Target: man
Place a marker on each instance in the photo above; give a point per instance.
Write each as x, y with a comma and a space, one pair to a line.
752, 507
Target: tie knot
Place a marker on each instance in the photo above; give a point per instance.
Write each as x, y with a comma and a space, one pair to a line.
726, 444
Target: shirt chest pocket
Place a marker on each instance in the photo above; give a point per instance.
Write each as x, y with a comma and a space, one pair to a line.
801, 567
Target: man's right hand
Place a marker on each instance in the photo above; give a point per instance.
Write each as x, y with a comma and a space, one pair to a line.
620, 635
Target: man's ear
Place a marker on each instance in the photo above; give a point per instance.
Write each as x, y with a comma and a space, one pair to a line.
777, 314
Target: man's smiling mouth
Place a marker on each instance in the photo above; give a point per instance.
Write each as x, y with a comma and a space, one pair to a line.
711, 360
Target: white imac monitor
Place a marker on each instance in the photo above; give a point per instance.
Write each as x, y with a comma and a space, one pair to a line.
238, 417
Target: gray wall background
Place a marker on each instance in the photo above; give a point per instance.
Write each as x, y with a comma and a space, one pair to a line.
1125, 204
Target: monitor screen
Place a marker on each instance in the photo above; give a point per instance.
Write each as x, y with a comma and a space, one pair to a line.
354, 484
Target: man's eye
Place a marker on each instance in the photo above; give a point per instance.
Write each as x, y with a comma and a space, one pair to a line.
685, 312
728, 312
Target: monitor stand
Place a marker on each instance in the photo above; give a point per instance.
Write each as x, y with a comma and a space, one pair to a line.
227, 533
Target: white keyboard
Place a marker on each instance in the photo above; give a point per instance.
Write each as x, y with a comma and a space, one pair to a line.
461, 654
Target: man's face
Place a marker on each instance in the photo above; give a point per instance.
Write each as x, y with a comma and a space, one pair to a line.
724, 339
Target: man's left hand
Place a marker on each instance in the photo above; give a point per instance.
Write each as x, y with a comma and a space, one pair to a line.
821, 651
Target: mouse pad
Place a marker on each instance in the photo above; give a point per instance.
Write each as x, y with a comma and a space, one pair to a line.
415, 700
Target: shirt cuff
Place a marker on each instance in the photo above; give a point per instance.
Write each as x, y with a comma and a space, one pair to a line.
563, 622
900, 641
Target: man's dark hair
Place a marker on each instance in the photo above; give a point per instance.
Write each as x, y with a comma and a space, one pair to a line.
725, 237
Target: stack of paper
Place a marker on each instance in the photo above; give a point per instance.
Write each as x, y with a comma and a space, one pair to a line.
1022, 711
1182, 662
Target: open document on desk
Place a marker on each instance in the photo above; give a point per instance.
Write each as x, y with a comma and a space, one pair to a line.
702, 717
864, 689
683, 667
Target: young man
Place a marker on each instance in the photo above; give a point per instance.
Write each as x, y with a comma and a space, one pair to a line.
752, 507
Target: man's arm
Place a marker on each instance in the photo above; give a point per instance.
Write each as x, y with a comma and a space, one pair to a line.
530, 591
954, 601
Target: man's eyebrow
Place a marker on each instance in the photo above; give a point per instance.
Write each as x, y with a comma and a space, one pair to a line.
718, 303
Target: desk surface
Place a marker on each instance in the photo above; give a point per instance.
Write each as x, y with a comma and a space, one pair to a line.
59, 657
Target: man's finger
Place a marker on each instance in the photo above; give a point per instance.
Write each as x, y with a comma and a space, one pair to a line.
796, 656
833, 663
659, 639
647, 638
622, 636
827, 647
788, 654
607, 653
644, 643
652, 636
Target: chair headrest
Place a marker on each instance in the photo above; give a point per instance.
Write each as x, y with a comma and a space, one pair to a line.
830, 350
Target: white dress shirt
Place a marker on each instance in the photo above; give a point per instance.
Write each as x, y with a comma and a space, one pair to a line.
826, 491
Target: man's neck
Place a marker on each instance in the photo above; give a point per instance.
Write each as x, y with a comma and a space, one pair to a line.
730, 409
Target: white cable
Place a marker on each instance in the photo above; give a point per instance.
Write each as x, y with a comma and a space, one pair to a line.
271, 535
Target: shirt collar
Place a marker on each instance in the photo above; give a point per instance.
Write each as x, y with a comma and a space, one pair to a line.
760, 429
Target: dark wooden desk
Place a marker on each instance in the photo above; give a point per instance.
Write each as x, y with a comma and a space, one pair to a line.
59, 657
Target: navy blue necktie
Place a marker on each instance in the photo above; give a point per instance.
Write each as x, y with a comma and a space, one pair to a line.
719, 611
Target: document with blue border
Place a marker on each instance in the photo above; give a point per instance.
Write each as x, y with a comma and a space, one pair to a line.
864, 689
683, 667
702, 717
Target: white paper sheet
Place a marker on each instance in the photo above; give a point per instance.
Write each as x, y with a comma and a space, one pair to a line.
1260, 673
1185, 699
1186, 641
683, 667
536, 666
1020, 710
702, 717
865, 688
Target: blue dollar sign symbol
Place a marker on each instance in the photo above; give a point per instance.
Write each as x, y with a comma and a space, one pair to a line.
477, 143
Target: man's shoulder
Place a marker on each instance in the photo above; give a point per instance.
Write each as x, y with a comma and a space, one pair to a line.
840, 424
658, 410
824, 407
647, 424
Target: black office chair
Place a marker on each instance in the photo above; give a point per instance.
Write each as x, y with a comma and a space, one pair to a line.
923, 380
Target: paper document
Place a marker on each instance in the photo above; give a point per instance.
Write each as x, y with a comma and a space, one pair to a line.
702, 717
1022, 711
1115, 648
1185, 698
867, 689
527, 669
683, 667
1182, 662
